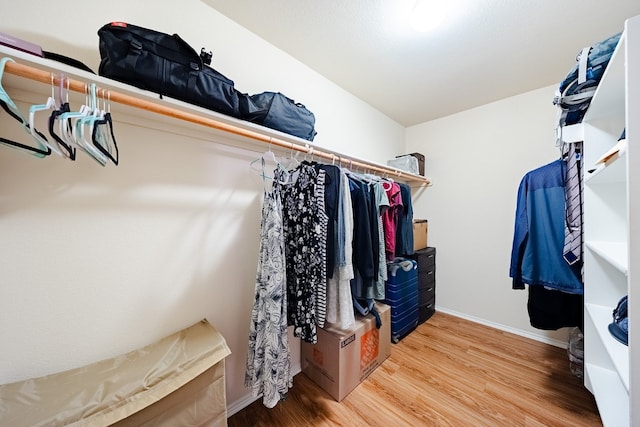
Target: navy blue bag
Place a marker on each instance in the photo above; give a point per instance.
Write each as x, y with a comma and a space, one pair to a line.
278, 112
579, 86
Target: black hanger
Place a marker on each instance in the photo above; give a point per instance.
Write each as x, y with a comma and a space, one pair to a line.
63, 99
9, 106
64, 108
34, 150
105, 146
94, 137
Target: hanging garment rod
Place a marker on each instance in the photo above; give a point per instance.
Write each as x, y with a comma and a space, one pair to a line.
28, 72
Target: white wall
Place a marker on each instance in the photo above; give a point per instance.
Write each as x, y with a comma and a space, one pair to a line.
476, 160
98, 261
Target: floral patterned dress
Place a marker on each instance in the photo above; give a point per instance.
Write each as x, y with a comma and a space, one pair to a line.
305, 230
268, 369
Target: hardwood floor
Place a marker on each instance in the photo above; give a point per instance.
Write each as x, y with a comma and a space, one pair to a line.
448, 372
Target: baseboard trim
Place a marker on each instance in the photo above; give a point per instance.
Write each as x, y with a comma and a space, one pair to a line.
240, 404
520, 332
249, 398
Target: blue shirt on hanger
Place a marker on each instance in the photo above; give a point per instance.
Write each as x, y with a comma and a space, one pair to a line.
538, 241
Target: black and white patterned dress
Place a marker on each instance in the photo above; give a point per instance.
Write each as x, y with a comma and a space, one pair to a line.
305, 229
268, 369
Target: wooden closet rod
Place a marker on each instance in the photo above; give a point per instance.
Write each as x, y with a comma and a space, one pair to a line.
42, 76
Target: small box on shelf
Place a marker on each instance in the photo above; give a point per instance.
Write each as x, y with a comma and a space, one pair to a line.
420, 234
420, 158
413, 163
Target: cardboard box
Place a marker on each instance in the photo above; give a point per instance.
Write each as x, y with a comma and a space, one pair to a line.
420, 232
341, 360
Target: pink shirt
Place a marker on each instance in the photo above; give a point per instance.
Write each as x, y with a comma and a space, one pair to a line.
390, 218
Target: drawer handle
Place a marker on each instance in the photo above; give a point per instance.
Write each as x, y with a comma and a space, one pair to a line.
431, 256
429, 289
430, 272
429, 306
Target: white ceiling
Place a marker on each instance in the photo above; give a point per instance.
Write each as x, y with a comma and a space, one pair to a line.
486, 50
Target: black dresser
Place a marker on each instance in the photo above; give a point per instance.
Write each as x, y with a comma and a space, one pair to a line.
426, 259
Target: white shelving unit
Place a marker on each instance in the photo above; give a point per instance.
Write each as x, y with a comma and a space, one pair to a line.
611, 225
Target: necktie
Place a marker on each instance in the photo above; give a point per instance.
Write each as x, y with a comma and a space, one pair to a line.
573, 205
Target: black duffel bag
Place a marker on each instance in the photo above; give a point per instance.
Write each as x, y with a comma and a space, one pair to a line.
167, 65
276, 111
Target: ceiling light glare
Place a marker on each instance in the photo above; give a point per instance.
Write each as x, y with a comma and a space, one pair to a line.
428, 15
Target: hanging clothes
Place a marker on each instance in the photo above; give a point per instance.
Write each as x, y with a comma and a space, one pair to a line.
331, 201
390, 218
538, 242
404, 226
340, 311
374, 214
305, 230
551, 310
555, 298
344, 243
382, 204
268, 368
364, 262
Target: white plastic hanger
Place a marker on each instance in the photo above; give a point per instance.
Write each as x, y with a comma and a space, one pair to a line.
258, 166
82, 138
68, 130
291, 162
48, 105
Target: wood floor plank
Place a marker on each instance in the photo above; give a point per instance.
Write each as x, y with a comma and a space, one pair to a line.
448, 372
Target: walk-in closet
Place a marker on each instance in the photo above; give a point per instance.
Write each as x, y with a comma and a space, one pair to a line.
283, 214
